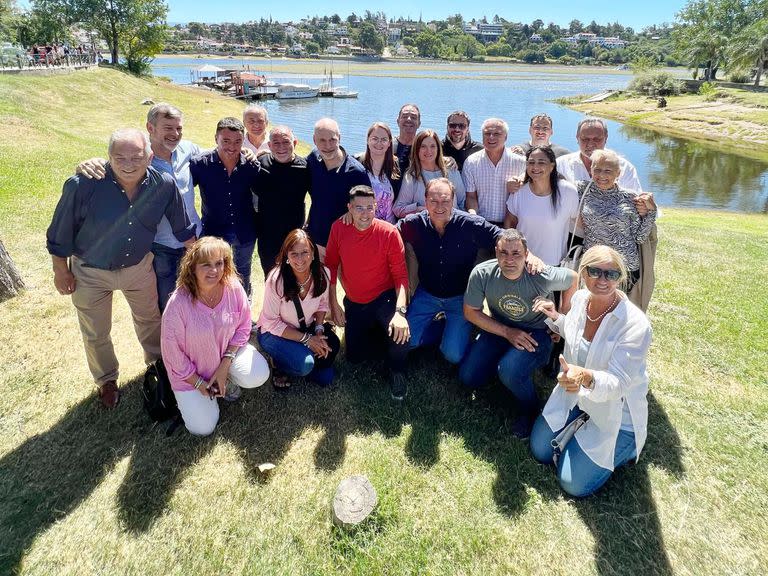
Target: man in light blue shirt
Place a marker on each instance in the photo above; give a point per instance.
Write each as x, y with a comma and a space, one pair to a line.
171, 155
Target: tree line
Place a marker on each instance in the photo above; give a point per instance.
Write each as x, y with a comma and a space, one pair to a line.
707, 35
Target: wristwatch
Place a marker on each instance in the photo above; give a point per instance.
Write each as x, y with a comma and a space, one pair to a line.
402, 310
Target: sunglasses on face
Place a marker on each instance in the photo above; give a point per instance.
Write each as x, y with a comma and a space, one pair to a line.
456, 126
610, 275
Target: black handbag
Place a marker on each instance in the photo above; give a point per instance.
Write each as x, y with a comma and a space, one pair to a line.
158, 398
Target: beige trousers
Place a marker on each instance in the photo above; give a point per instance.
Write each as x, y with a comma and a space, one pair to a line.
93, 300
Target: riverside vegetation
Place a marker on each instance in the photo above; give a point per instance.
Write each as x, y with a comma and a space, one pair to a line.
86, 491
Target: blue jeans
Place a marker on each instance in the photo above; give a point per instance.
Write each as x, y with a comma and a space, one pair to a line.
166, 265
243, 257
295, 359
578, 475
490, 353
454, 340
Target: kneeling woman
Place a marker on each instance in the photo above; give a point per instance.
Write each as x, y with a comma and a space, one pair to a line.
205, 331
291, 324
603, 383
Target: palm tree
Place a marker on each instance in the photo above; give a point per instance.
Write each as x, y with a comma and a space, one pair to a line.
750, 48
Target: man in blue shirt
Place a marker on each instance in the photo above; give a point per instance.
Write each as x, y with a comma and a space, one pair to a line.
170, 154
226, 180
100, 240
333, 173
445, 242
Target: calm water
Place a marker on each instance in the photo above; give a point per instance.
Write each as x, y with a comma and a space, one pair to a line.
679, 172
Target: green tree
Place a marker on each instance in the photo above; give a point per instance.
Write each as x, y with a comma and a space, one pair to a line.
749, 49
704, 31
428, 44
135, 27
9, 20
468, 47
370, 39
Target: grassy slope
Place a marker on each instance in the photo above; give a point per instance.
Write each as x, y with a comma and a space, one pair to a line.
84, 491
736, 121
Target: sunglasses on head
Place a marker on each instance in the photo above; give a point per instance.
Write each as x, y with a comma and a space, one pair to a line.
611, 275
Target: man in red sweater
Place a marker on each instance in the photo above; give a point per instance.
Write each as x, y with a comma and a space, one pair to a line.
375, 279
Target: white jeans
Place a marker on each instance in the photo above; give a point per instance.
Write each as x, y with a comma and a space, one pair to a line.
249, 370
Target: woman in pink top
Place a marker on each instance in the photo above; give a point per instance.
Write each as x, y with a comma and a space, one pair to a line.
204, 339
301, 344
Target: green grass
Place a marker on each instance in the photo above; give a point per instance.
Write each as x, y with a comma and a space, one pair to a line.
83, 491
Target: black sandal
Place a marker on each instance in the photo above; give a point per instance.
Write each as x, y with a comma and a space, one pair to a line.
281, 382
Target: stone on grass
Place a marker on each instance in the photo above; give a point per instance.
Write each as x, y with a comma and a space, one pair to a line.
147, 102
353, 502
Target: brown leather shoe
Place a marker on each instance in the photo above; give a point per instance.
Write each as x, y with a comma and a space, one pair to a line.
109, 394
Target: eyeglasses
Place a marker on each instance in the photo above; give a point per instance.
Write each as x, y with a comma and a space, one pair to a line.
541, 128
456, 126
377, 140
610, 275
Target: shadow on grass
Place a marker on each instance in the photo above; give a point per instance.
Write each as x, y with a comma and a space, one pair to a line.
49, 475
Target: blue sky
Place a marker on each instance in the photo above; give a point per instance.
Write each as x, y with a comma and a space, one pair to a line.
635, 14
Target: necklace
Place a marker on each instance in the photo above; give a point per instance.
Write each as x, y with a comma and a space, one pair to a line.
303, 285
600, 317
210, 301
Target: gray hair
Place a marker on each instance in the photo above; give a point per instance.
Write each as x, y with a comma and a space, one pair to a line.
129, 135
438, 181
488, 121
163, 110
511, 235
591, 122
327, 124
281, 129
256, 108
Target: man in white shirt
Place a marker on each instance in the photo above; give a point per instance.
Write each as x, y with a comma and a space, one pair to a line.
592, 134
256, 120
486, 173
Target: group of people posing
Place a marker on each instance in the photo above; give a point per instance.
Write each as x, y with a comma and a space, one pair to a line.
447, 242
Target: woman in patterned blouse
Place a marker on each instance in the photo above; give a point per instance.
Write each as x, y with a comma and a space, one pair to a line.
612, 216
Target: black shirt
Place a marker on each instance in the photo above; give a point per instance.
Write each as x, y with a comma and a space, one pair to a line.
403, 153
446, 261
282, 189
95, 221
459, 155
226, 198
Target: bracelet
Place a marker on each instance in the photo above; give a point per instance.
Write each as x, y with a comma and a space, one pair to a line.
305, 338
230, 355
319, 329
200, 382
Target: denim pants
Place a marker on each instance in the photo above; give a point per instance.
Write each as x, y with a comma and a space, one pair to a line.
578, 475
455, 336
295, 359
367, 327
243, 259
166, 265
490, 353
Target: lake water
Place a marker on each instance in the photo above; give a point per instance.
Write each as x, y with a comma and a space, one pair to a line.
679, 172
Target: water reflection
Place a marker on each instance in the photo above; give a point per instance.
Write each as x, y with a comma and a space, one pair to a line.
685, 173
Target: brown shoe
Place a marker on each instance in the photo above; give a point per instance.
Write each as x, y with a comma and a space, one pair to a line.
109, 394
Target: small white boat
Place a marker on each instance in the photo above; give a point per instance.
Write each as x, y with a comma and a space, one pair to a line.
295, 91
341, 93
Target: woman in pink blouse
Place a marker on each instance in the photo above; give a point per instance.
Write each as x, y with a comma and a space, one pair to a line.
204, 338
292, 326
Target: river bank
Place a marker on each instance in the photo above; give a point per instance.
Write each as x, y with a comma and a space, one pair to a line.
736, 121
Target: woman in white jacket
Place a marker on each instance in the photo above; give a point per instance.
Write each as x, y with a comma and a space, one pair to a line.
602, 386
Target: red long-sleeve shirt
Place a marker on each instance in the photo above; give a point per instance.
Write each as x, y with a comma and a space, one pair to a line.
372, 261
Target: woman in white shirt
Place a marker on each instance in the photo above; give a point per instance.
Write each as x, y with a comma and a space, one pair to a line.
427, 163
545, 208
603, 383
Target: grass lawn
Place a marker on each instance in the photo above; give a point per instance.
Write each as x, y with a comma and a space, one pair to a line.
84, 491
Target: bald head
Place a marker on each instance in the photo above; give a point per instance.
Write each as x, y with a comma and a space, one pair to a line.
326, 138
